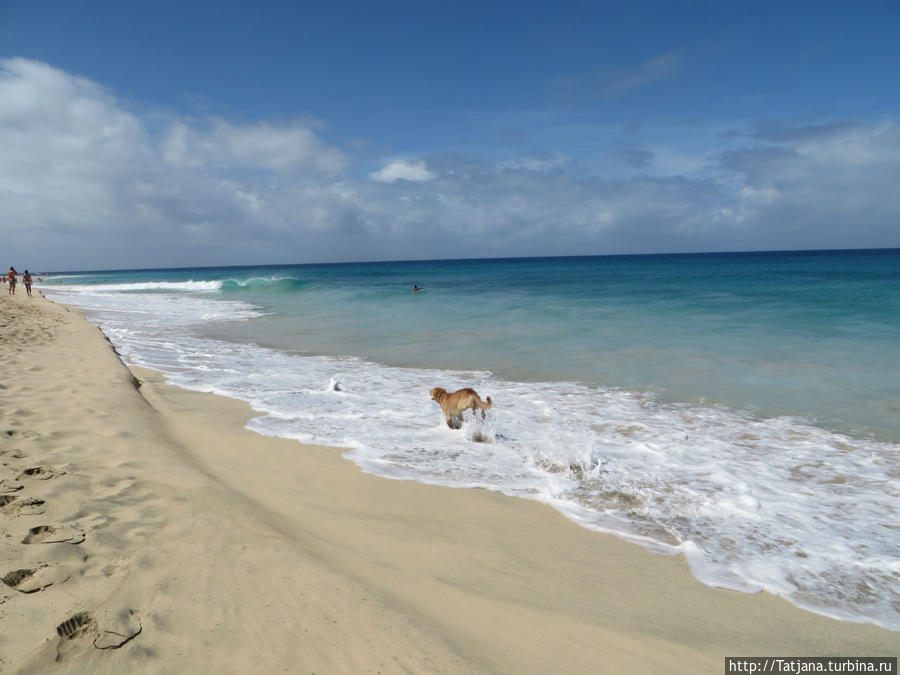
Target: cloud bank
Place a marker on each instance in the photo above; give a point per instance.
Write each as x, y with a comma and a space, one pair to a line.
87, 181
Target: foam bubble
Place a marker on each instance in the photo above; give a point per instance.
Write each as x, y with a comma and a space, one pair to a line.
143, 286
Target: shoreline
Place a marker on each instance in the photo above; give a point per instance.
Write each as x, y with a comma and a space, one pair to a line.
219, 548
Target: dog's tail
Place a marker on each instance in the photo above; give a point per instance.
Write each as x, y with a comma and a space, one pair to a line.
487, 403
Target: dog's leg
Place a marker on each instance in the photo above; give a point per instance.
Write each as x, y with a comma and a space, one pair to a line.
476, 404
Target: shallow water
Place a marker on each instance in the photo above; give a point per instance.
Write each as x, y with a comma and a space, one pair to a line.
740, 408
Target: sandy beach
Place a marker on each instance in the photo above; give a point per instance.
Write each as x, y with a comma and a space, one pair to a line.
148, 532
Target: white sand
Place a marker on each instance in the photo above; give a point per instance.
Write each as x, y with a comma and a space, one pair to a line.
183, 543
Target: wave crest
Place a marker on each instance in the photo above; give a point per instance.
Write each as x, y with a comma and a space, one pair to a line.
263, 285
251, 285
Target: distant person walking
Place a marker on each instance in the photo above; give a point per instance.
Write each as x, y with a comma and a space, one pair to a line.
11, 277
26, 279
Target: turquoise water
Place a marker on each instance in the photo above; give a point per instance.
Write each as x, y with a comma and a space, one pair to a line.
809, 333
740, 409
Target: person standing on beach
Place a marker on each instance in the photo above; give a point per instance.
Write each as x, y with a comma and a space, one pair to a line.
11, 276
26, 279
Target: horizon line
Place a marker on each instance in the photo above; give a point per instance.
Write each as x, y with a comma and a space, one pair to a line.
482, 259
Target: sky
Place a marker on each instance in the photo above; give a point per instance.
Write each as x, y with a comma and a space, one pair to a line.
168, 134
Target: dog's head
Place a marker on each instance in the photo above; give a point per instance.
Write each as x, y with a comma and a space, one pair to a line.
437, 392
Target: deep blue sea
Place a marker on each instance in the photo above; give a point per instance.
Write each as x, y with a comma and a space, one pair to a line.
741, 409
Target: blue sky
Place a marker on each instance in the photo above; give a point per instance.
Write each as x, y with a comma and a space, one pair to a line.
188, 133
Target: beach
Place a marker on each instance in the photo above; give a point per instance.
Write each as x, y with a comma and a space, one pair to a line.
153, 533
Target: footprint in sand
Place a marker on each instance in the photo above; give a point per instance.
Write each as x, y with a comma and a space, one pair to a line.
58, 534
40, 472
8, 485
117, 627
31, 581
76, 625
112, 630
18, 454
29, 506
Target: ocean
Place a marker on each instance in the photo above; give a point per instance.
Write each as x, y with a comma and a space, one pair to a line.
741, 409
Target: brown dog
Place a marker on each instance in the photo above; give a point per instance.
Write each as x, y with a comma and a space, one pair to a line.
456, 403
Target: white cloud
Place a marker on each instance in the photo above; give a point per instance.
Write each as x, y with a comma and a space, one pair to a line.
835, 189
281, 148
88, 182
402, 169
81, 174
67, 146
